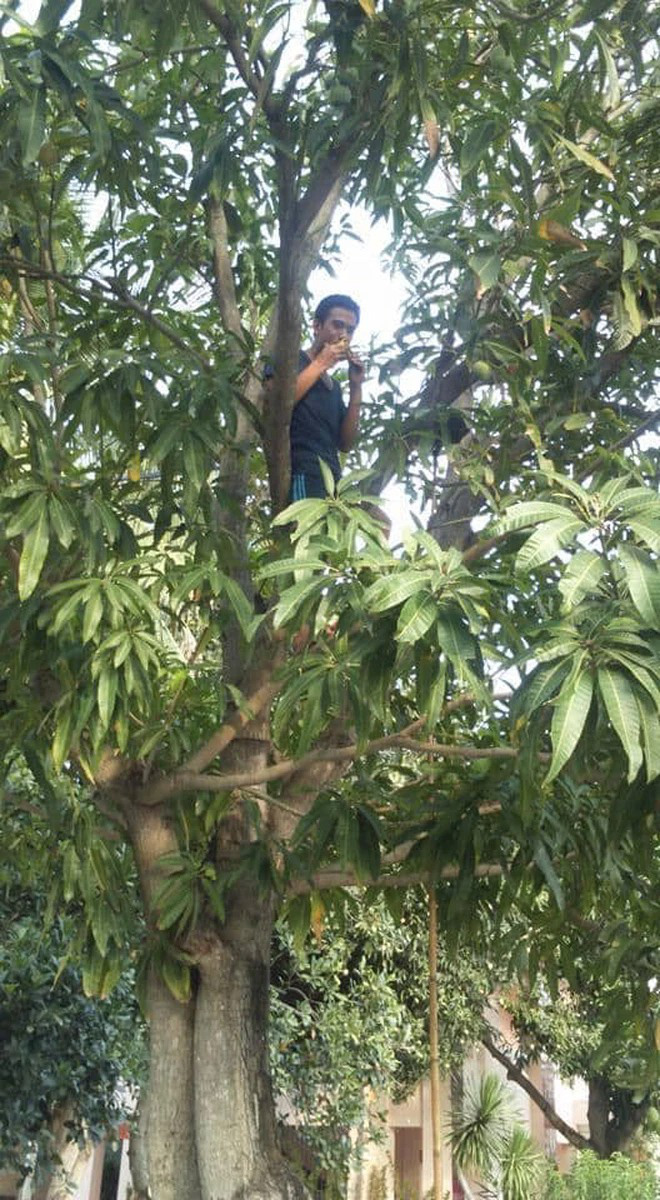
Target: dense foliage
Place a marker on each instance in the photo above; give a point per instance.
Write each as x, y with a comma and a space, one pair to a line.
616, 1179
477, 708
65, 1056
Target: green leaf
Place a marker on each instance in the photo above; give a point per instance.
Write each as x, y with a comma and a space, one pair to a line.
547, 541
476, 144
106, 692
31, 125
454, 638
622, 708
649, 720
294, 598
92, 614
568, 719
176, 976
415, 618
390, 590
587, 157
647, 532
636, 501
544, 862
531, 512
542, 684
33, 555
582, 576
631, 306
643, 579
487, 266
629, 253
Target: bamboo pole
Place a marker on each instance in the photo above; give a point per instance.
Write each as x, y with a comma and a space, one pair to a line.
436, 1114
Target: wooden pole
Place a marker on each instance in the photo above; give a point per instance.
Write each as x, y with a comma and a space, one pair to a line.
436, 1113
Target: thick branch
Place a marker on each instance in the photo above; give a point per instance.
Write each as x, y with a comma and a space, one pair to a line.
518, 1076
231, 35
224, 277
253, 706
334, 877
187, 781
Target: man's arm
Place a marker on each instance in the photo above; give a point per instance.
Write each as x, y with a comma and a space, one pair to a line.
349, 426
325, 360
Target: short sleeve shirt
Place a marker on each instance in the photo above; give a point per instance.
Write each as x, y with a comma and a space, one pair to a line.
316, 424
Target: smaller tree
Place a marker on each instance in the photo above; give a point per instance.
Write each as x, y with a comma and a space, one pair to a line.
70, 1062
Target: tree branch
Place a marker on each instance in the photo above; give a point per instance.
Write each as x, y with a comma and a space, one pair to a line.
224, 277
113, 294
188, 780
161, 789
518, 1076
334, 877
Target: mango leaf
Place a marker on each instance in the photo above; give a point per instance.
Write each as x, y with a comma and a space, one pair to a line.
544, 862
477, 142
176, 977
636, 501
487, 267
629, 248
415, 618
582, 575
31, 125
541, 685
650, 728
569, 718
643, 579
621, 705
293, 599
106, 692
587, 157
530, 512
647, 531
93, 613
631, 307
367, 859
454, 638
390, 590
547, 541
33, 554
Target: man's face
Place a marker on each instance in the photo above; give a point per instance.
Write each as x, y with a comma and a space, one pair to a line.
339, 323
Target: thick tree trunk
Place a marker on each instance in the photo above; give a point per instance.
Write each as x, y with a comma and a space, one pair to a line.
613, 1117
169, 1117
234, 1111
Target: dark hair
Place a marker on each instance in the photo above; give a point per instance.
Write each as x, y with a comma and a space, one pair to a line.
325, 306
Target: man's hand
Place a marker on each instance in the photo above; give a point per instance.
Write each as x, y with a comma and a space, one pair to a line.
356, 369
331, 353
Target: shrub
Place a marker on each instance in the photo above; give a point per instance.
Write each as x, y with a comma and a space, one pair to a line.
593, 1178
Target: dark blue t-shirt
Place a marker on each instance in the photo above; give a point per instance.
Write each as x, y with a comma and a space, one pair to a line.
316, 424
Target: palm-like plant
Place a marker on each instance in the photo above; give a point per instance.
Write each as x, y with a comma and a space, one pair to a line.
487, 1142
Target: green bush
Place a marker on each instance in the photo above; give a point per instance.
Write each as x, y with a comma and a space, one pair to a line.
615, 1178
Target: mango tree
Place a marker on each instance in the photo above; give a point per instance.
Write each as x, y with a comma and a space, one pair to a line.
264, 702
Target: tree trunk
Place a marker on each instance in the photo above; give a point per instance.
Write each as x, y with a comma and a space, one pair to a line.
234, 1110
169, 1116
613, 1117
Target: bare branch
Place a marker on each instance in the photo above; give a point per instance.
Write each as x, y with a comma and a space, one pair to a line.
188, 780
516, 1073
224, 277
171, 785
334, 877
113, 294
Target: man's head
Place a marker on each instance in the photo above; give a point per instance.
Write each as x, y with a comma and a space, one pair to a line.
335, 317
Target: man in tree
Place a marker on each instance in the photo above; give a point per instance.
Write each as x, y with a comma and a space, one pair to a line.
321, 424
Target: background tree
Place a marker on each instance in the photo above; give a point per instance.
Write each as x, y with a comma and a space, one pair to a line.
141, 467
71, 1063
